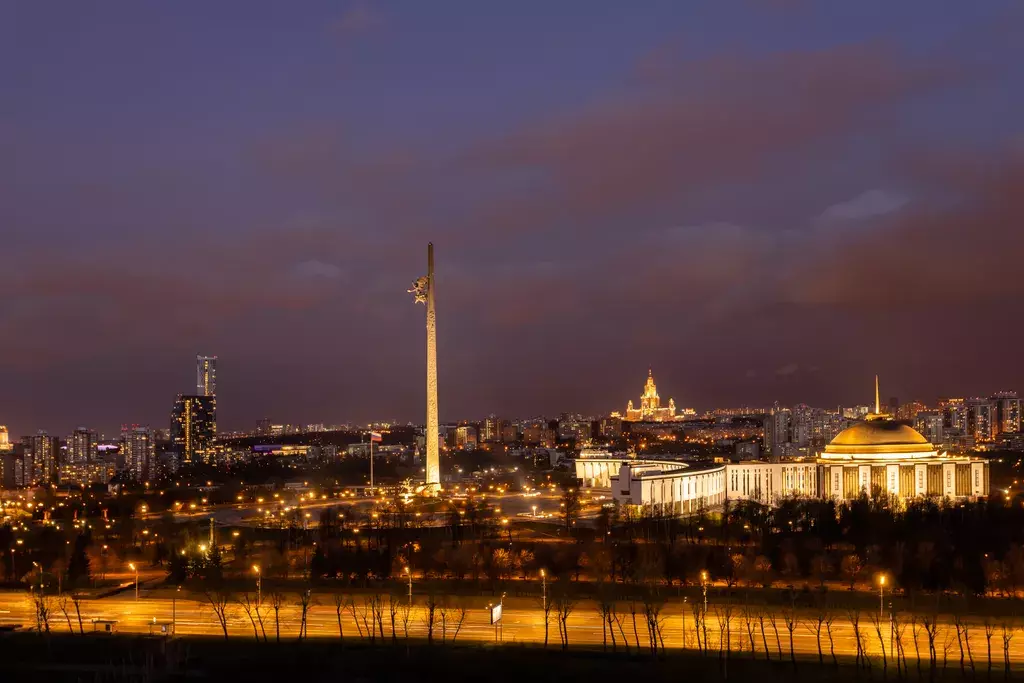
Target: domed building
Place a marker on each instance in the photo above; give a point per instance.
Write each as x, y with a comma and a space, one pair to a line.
881, 454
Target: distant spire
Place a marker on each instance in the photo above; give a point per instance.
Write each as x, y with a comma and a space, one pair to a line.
650, 371
878, 405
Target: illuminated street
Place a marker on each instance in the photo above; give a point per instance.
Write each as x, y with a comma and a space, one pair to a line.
522, 622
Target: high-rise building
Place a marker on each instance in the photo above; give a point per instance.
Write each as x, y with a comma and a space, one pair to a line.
1008, 411
194, 428
491, 431
908, 411
137, 451
955, 415
777, 430
82, 446
983, 423
466, 437
930, 424
5, 440
206, 375
45, 450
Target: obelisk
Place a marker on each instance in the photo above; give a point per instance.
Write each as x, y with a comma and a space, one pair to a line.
423, 291
433, 459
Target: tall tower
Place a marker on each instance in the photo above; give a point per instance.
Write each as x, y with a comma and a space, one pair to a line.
206, 375
423, 290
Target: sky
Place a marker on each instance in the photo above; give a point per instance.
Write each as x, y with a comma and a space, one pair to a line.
762, 200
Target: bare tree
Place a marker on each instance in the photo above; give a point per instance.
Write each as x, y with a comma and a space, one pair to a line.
898, 628
219, 600
764, 638
351, 605
546, 606
339, 607
457, 617
431, 616
876, 621
652, 614
931, 629
749, 623
62, 603
990, 629
775, 627
789, 615
1007, 630
697, 609
830, 618
276, 603
854, 617
394, 604
564, 606
249, 605
915, 629
632, 614
77, 602
961, 628
305, 600
816, 627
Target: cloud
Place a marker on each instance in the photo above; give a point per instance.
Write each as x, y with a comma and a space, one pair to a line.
317, 269
359, 17
869, 204
788, 369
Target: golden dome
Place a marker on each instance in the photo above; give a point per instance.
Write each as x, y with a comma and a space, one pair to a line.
879, 439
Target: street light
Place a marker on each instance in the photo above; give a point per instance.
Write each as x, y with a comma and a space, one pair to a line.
544, 590
407, 571
704, 585
131, 565
174, 599
259, 584
36, 565
881, 598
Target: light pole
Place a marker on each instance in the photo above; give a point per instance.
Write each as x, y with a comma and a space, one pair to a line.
36, 565
704, 585
407, 571
544, 591
534, 507
174, 611
259, 584
881, 596
131, 565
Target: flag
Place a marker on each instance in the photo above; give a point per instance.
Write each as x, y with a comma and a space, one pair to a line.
375, 437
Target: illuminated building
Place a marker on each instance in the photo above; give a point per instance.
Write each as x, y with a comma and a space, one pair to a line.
491, 431
886, 456
650, 409
194, 428
908, 411
137, 452
930, 424
878, 455
206, 375
466, 438
82, 446
982, 419
1007, 412
510, 433
5, 441
777, 430
40, 457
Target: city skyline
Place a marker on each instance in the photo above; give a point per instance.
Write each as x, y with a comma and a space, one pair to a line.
746, 202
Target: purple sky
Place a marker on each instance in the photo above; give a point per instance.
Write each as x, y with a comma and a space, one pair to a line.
763, 199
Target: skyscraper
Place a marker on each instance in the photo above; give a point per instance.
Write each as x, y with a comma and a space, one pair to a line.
45, 450
194, 428
137, 450
206, 375
1008, 409
83, 446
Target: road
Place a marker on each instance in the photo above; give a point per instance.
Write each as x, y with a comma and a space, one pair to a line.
523, 621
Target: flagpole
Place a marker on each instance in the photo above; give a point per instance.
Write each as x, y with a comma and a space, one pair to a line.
371, 461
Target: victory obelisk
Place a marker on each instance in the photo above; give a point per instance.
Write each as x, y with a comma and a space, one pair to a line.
423, 289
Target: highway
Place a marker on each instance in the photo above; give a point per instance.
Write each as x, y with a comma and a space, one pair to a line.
523, 621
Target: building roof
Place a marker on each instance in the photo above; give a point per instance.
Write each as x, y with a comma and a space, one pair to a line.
879, 438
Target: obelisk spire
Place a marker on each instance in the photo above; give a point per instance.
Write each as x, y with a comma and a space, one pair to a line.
433, 478
878, 404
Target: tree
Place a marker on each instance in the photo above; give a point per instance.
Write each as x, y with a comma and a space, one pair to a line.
78, 564
570, 506
851, 567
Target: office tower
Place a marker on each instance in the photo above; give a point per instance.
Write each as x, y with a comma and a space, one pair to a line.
194, 428
1008, 411
137, 451
82, 446
206, 375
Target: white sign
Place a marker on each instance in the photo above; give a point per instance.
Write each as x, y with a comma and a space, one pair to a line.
495, 613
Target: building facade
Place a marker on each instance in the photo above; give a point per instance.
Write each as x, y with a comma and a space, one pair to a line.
206, 375
650, 409
194, 428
